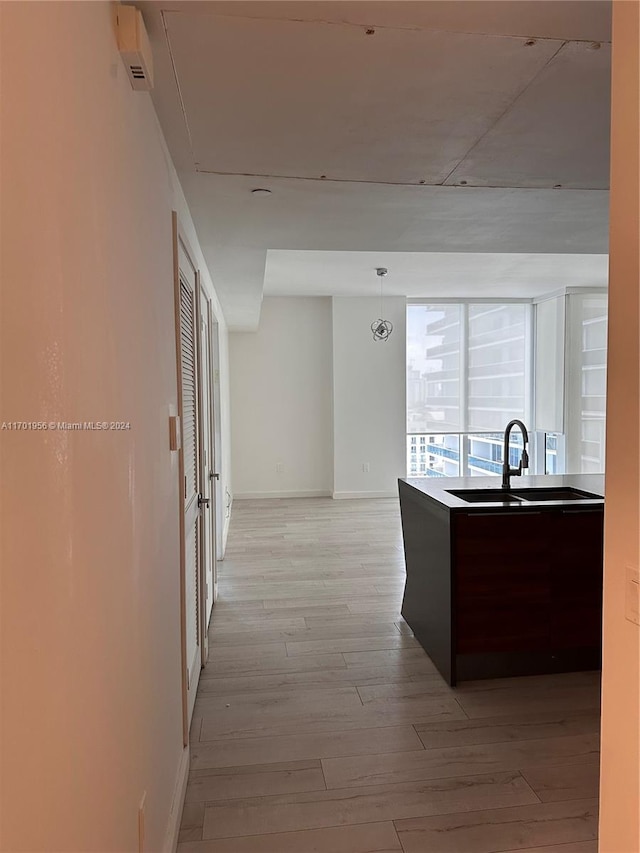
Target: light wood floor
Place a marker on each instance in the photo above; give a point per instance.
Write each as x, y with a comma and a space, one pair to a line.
321, 726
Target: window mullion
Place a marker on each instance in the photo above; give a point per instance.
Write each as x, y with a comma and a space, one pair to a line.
529, 369
464, 390
464, 369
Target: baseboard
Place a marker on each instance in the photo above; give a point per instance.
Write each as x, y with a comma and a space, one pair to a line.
175, 815
339, 496
246, 496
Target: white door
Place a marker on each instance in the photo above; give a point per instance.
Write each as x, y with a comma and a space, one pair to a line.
186, 327
209, 475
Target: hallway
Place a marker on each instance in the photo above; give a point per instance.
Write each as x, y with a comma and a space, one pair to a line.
322, 727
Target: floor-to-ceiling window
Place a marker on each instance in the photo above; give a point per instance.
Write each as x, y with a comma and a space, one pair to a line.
468, 374
470, 370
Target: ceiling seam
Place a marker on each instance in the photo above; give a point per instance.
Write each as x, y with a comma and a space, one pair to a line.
399, 28
417, 185
175, 77
506, 110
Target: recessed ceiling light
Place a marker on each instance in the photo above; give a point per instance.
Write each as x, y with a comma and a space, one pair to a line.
260, 191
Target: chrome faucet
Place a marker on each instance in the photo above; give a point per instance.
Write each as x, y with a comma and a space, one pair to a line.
507, 470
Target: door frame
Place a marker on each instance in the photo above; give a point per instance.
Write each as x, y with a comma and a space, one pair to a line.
214, 327
179, 240
206, 465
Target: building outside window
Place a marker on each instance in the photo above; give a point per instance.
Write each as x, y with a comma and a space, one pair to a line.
470, 371
467, 376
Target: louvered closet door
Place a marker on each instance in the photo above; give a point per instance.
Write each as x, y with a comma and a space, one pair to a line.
190, 475
208, 473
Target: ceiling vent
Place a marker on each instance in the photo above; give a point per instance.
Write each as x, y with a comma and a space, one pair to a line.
134, 47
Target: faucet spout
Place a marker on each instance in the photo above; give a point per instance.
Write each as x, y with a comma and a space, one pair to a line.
507, 470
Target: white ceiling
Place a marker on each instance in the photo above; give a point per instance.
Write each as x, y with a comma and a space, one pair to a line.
430, 274
443, 131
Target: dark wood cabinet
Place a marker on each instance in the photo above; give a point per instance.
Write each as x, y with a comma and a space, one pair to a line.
576, 584
502, 581
492, 594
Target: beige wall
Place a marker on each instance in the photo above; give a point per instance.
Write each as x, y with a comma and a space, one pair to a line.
620, 782
281, 401
313, 392
369, 397
91, 710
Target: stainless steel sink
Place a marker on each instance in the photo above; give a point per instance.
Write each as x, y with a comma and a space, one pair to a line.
485, 496
563, 493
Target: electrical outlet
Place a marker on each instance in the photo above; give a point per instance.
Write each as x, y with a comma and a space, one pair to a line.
141, 821
365, 467
279, 467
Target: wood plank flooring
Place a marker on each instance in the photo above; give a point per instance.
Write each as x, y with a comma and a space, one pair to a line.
321, 726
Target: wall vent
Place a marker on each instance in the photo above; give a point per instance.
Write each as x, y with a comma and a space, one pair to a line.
134, 47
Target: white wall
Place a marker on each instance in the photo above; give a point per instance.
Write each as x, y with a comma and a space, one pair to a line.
91, 705
549, 364
281, 401
620, 767
313, 392
369, 398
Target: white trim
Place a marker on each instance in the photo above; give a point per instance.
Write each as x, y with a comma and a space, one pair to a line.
568, 291
555, 294
463, 376
338, 496
533, 385
529, 367
467, 300
530, 300
177, 804
455, 432
245, 496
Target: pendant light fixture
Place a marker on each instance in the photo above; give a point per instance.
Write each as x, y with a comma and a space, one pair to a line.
380, 328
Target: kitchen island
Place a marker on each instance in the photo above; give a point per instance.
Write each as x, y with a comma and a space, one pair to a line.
504, 582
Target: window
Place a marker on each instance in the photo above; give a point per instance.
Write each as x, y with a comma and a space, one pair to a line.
497, 349
468, 374
553, 453
441, 457
433, 368
587, 383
